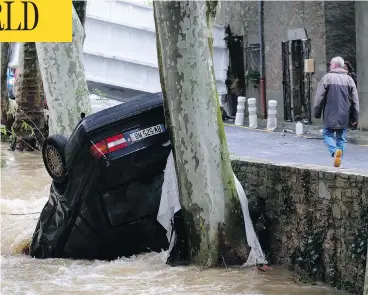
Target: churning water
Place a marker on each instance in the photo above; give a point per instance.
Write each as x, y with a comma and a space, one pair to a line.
24, 191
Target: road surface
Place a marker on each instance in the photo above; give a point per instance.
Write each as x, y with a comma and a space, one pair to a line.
272, 146
290, 148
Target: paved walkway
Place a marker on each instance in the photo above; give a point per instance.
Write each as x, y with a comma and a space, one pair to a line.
275, 147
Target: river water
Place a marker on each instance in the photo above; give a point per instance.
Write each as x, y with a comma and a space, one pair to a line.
24, 190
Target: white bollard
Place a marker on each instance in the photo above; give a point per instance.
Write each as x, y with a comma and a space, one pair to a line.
271, 115
239, 117
252, 110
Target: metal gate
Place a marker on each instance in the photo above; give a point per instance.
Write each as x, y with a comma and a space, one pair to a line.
296, 83
306, 47
286, 81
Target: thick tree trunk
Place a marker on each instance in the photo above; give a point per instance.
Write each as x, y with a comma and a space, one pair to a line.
64, 81
4, 50
29, 117
211, 208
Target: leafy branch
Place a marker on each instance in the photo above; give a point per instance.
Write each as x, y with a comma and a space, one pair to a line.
253, 77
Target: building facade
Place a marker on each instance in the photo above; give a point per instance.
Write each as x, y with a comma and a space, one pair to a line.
293, 31
362, 59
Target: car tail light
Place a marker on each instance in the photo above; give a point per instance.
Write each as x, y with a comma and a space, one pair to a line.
108, 145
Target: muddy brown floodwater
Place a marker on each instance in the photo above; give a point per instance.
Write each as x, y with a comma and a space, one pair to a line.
24, 190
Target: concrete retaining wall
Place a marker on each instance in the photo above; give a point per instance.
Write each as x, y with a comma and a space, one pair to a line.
313, 219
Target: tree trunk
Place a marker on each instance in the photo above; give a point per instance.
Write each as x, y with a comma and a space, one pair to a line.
64, 81
29, 117
210, 205
4, 53
80, 8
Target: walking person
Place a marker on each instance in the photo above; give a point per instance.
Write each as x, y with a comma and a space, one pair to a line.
348, 67
336, 93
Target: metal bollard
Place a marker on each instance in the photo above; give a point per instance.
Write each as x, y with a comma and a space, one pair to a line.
271, 115
239, 117
252, 110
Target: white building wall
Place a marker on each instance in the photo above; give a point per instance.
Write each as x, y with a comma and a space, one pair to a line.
120, 46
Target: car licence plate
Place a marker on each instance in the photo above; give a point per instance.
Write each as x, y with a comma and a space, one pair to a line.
135, 136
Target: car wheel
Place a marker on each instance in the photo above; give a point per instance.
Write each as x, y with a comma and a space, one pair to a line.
53, 154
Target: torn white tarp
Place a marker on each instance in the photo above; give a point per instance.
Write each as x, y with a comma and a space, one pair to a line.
256, 255
170, 204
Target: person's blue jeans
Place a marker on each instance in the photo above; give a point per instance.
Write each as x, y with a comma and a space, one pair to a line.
335, 139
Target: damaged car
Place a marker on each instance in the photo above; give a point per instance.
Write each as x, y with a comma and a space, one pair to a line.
106, 186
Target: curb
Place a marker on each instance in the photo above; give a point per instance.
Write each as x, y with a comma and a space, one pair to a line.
311, 135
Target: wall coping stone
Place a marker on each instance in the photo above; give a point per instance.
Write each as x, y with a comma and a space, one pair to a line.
337, 171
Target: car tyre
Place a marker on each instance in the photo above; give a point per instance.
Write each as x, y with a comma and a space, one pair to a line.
53, 154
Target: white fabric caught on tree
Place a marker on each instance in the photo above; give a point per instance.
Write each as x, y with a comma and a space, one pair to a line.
170, 204
256, 255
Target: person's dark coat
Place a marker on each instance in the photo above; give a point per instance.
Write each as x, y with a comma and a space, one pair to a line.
336, 93
354, 77
351, 115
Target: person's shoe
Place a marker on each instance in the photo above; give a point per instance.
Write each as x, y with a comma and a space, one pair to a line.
338, 155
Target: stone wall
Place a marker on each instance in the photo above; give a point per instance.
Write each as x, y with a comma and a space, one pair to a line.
313, 219
242, 16
234, 13
362, 60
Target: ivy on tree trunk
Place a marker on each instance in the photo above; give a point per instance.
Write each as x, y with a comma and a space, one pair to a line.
80, 8
210, 205
29, 116
4, 52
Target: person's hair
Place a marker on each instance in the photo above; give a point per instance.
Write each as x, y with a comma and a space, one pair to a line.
337, 61
349, 67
